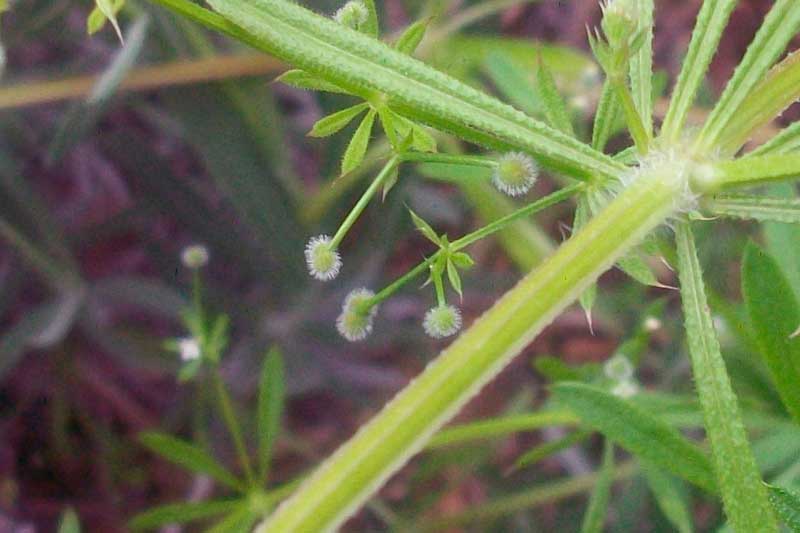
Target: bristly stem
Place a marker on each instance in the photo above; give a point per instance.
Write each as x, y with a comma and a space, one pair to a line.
453, 159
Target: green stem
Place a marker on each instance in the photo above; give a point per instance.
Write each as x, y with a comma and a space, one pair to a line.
528, 210
401, 281
343, 482
232, 423
453, 159
437, 283
363, 201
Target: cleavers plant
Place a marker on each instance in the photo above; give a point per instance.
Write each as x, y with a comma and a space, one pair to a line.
666, 178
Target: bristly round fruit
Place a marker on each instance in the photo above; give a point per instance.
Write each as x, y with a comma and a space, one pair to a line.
515, 173
353, 14
323, 261
355, 321
194, 256
618, 368
442, 321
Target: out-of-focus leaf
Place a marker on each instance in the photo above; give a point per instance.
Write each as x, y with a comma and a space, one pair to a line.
510, 80
69, 522
542, 451
775, 315
670, 495
240, 520
82, 117
336, 121
596, 512
41, 327
271, 392
189, 456
354, 154
554, 107
142, 292
782, 239
180, 513
638, 431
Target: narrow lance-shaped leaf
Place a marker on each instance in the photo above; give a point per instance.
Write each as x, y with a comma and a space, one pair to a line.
304, 80
753, 207
412, 36
607, 119
354, 154
336, 121
189, 456
639, 432
743, 494
180, 513
555, 109
781, 239
787, 140
779, 27
96, 20
711, 22
670, 495
779, 89
641, 67
425, 228
582, 215
547, 449
595, 516
271, 391
106, 7
756, 170
775, 315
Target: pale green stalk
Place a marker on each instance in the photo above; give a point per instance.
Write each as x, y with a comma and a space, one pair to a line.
743, 494
344, 481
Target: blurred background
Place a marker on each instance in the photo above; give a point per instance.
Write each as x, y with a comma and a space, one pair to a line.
113, 160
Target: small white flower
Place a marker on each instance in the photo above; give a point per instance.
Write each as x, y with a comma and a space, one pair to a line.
355, 322
625, 389
515, 173
442, 321
353, 14
188, 348
323, 261
618, 368
194, 256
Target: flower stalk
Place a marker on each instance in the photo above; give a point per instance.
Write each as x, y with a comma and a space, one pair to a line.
343, 482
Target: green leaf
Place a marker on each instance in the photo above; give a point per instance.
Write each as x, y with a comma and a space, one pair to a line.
634, 266
180, 513
390, 123
757, 170
743, 495
462, 260
106, 7
416, 90
336, 121
779, 27
455, 279
509, 77
711, 22
555, 109
781, 240
421, 140
582, 215
188, 456
787, 140
240, 520
96, 20
412, 36
670, 495
425, 228
775, 315
607, 119
69, 522
596, 513
636, 430
371, 27
305, 80
779, 89
271, 394
542, 451
641, 66
786, 503
354, 154
754, 207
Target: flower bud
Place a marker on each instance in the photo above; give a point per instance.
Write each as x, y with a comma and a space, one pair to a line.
355, 321
323, 261
620, 21
353, 14
442, 321
515, 173
194, 256
188, 349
